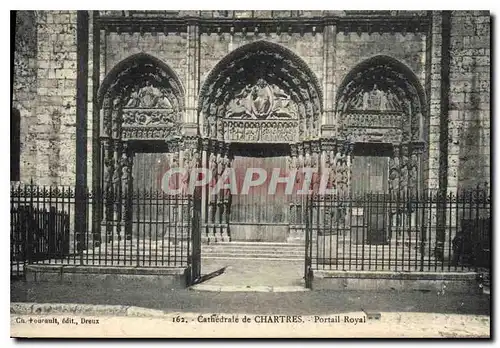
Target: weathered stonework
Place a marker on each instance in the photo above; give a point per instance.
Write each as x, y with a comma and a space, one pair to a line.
25, 88
469, 100
48, 126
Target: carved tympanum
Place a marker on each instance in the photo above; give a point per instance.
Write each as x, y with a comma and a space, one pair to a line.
258, 82
375, 99
262, 101
148, 97
381, 95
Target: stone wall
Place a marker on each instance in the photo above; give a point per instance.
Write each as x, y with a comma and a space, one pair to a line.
45, 94
353, 48
24, 88
469, 100
171, 49
214, 47
433, 56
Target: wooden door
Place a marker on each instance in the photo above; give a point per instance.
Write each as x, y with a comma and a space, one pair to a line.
258, 206
148, 170
258, 215
370, 181
370, 174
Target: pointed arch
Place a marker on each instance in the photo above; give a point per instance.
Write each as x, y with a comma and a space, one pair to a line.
137, 70
141, 98
257, 66
391, 77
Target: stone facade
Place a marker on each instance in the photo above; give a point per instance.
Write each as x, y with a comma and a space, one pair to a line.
46, 96
331, 44
469, 100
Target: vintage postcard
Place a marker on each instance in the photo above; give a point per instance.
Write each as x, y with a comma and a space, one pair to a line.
259, 173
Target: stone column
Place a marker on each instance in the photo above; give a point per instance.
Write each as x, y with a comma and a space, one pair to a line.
414, 184
192, 71
109, 168
329, 163
329, 47
174, 152
413, 166
126, 190
190, 160
295, 202
327, 173
117, 210
221, 218
394, 172
205, 194
433, 92
404, 172
342, 165
212, 197
226, 194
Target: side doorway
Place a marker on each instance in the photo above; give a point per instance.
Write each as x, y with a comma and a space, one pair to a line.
370, 192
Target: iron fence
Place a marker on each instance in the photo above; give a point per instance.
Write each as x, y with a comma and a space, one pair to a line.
428, 232
66, 226
147, 228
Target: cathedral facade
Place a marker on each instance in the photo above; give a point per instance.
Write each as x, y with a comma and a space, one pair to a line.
386, 101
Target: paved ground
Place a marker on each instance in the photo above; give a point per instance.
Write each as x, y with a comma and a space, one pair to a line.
303, 303
403, 314
253, 273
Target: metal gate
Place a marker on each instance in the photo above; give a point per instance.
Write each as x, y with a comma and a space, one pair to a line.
173, 219
194, 260
308, 272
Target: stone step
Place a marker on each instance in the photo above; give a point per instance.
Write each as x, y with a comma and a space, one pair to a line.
257, 244
254, 256
253, 251
251, 247
251, 258
373, 256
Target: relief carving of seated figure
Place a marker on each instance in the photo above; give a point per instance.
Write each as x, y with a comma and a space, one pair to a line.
261, 99
376, 100
283, 105
240, 106
148, 97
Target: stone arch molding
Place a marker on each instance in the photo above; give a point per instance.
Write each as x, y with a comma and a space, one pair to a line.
381, 100
141, 98
260, 92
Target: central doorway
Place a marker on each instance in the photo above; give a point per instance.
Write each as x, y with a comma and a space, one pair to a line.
260, 215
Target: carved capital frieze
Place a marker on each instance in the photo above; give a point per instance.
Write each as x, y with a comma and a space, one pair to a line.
190, 142
417, 147
315, 146
328, 144
174, 145
260, 131
149, 117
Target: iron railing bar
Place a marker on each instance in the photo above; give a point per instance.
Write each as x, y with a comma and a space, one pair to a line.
449, 209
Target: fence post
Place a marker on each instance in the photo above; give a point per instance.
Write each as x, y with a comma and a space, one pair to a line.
440, 225
80, 223
29, 230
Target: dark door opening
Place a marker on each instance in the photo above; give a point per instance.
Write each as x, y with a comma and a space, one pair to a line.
260, 214
370, 187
